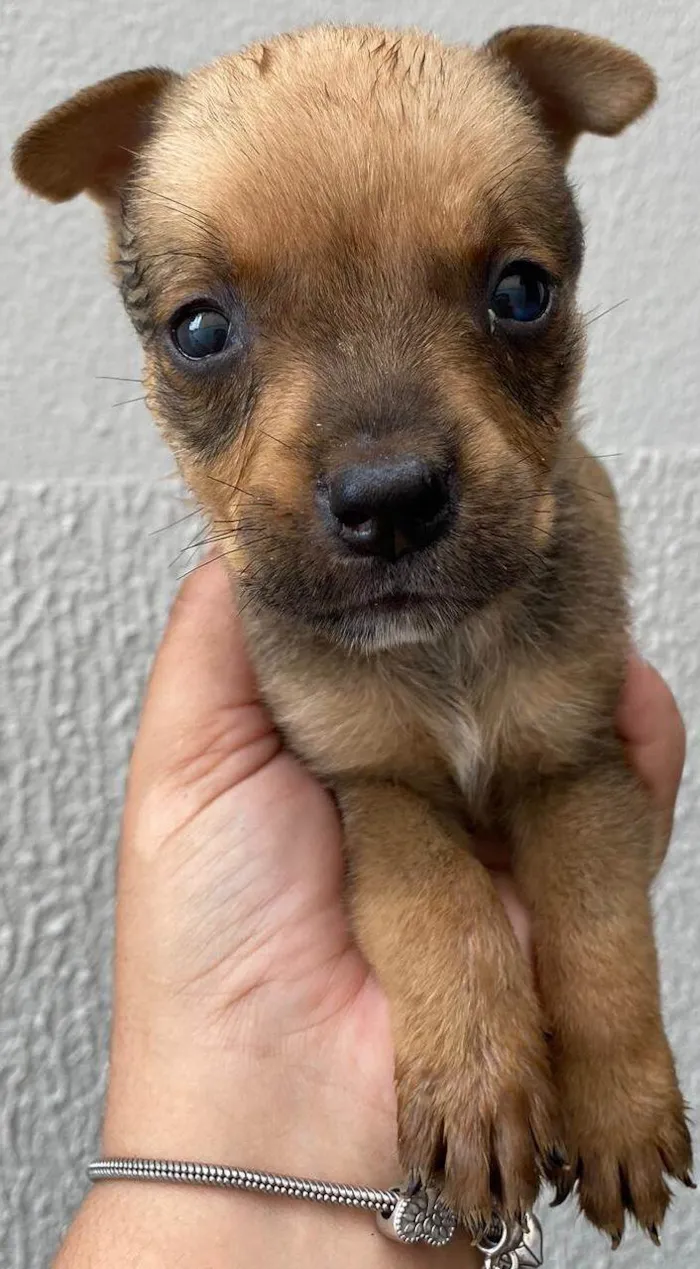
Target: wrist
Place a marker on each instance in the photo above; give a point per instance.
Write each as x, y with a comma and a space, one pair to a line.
156, 1225
249, 1116
302, 1108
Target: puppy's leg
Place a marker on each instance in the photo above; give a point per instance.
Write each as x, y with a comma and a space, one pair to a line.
475, 1097
584, 857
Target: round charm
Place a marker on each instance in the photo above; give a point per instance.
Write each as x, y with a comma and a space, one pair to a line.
500, 1239
419, 1217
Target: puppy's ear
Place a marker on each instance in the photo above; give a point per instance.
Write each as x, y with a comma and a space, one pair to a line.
579, 83
89, 144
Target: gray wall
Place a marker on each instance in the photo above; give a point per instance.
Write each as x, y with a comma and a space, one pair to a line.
85, 585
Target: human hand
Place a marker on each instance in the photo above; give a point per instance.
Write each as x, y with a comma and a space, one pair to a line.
247, 1028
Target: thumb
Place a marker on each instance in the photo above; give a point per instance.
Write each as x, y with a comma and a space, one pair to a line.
203, 727
651, 726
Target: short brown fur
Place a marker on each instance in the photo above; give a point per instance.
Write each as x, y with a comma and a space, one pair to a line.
349, 193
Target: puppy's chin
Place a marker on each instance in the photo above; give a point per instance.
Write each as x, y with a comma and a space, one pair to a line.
371, 628
370, 619
377, 629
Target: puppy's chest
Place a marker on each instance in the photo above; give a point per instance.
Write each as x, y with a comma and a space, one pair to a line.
467, 732
491, 734
436, 730
427, 728
466, 743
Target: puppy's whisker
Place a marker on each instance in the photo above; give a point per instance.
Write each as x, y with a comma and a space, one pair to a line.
203, 563
284, 444
129, 401
247, 603
258, 498
503, 176
249, 573
188, 547
200, 217
605, 312
240, 526
237, 525
246, 583
174, 523
597, 493
172, 254
250, 539
118, 379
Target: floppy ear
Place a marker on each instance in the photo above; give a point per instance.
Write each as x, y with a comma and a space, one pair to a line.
579, 83
89, 143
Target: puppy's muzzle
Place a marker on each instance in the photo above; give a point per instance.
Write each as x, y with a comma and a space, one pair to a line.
387, 507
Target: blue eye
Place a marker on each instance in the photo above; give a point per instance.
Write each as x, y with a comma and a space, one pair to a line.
522, 294
200, 332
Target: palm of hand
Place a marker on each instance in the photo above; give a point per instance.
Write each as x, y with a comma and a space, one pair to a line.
251, 881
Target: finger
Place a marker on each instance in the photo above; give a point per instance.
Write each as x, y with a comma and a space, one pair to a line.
517, 914
202, 700
650, 723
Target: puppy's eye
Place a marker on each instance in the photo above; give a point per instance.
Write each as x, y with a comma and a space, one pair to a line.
200, 332
523, 293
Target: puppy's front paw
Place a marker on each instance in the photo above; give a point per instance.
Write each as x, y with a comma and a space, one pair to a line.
626, 1133
478, 1115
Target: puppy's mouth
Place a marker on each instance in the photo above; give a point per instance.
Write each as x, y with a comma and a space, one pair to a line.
363, 610
398, 602
389, 621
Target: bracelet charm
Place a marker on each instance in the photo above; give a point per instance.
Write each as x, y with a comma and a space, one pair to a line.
418, 1216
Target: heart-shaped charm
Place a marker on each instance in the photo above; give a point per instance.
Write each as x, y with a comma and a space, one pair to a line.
419, 1216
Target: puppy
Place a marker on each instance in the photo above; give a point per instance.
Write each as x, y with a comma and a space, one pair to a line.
351, 256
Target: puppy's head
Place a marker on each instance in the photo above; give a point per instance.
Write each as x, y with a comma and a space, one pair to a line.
351, 256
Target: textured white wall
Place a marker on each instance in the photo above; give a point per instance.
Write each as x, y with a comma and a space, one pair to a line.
85, 588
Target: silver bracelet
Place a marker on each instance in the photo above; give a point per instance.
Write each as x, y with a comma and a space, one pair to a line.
409, 1215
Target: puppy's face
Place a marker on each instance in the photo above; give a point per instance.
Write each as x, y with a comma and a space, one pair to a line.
352, 257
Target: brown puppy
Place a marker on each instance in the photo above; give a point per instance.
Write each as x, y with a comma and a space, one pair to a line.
352, 257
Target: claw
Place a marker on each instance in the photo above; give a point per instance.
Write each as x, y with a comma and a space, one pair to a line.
654, 1235
688, 1180
625, 1192
562, 1193
616, 1239
557, 1159
564, 1184
477, 1229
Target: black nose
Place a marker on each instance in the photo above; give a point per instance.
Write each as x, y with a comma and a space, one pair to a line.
389, 507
